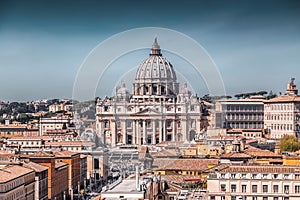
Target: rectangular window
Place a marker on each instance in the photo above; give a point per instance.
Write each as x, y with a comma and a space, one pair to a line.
265, 188
106, 124
275, 198
192, 108
275, 188
286, 189
232, 175
233, 188
254, 176
129, 123
244, 188
105, 108
297, 176
254, 188
223, 187
264, 176
243, 175
149, 124
265, 198
222, 175
297, 189
169, 123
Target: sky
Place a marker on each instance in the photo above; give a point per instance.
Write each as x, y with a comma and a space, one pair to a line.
254, 44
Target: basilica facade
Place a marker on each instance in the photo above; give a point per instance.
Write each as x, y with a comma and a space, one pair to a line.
157, 110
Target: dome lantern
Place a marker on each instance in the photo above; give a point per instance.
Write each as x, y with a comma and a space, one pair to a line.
155, 48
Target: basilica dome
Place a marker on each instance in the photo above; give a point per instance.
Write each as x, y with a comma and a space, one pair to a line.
155, 68
155, 78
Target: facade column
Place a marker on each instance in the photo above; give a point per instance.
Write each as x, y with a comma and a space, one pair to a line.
174, 130
164, 130
136, 89
113, 133
153, 132
138, 137
160, 131
150, 89
167, 91
133, 131
100, 131
124, 132
184, 129
159, 90
143, 90
198, 125
144, 132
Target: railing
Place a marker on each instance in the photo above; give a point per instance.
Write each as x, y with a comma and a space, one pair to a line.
114, 184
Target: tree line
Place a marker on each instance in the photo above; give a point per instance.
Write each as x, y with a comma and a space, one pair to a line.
213, 99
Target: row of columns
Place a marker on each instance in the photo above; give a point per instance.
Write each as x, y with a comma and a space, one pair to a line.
140, 134
140, 89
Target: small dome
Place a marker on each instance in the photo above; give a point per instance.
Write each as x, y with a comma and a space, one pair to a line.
122, 90
155, 68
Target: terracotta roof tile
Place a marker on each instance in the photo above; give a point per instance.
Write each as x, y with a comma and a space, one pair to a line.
34, 166
236, 155
190, 164
11, 172
284, 98
260, 169
60, 164
42, 154
256, 152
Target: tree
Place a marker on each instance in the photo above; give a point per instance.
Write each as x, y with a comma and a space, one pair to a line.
289, 143
271, 95
238, 96
263, 93
207, 98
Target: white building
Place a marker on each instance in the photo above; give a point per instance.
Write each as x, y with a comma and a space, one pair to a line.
54, 123
240, 116
254, 183
156, 111
282, 113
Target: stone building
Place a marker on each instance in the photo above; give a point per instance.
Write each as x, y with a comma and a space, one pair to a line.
41, 180
157, 110
240, 116
16, 182
57, 174
254, 182
282, 113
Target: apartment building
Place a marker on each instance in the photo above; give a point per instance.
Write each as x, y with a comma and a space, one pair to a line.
254, 182
282, 113
245, 116
16, 182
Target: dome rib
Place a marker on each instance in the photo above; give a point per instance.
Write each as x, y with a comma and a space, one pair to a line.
155, 72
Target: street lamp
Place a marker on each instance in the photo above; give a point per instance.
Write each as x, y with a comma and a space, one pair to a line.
71, 193
78, 189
